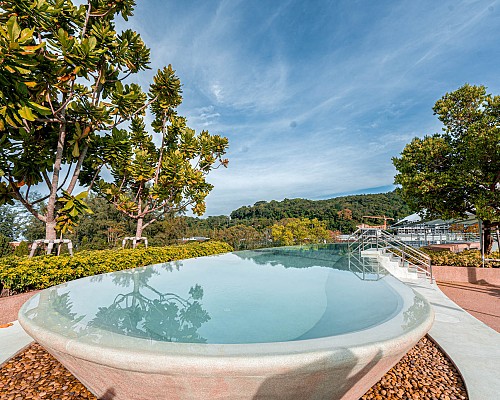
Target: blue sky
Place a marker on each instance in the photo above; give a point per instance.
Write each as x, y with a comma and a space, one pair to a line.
316, 96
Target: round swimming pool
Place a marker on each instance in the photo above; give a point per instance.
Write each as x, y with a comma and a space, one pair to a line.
237, 325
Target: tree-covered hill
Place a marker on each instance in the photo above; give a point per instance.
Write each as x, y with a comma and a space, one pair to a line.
340, 213
249, 226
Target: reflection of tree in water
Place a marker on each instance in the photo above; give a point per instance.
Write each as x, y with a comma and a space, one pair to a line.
168, 266
159, 316
412, 316
298, 257
54, 311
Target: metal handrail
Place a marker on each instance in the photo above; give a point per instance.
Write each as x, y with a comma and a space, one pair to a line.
404, 245
367, 237
362, 269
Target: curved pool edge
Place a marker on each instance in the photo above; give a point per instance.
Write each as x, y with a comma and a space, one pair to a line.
310, 370
342, 366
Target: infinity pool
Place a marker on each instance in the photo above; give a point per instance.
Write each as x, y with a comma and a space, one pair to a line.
240, 310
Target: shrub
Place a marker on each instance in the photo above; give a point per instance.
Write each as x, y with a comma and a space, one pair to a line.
21, 274
22, 249
467, 258
5, 247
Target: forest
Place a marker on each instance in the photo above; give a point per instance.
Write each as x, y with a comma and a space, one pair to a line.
245, 227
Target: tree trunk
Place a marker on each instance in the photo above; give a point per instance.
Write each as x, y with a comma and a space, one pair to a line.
487, 236
50, 230
138, 231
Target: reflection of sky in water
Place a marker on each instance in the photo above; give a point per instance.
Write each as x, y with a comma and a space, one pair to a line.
248, 298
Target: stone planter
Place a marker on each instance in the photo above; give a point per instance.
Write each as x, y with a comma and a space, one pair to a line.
466, 274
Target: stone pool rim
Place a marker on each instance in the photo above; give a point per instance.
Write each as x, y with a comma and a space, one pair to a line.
155, 356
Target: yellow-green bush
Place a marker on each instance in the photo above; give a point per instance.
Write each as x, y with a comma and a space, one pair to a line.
21, 274
467, 258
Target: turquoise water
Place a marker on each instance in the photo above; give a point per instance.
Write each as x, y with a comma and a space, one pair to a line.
270, 295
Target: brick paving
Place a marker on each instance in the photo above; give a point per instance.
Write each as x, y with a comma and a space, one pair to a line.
480, 300
10, 305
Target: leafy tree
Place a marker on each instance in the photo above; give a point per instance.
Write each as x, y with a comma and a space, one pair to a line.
5, 247
168, 231
340, 213
457, 171
149, 181
101, 230
61, 93
240, 236
292, 231
7, 221
22, 249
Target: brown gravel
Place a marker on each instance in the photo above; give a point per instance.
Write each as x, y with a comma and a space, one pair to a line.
423, 373
35, 374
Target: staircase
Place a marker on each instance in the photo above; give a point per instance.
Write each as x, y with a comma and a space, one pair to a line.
397, 257
365, 267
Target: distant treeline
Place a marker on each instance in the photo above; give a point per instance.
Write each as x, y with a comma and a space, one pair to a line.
246, 227
340, 213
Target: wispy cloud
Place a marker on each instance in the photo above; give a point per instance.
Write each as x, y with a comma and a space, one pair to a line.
316, 97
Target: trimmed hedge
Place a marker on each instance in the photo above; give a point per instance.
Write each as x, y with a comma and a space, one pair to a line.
467, 258
22, 274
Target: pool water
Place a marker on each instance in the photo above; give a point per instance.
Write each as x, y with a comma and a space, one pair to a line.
261, 296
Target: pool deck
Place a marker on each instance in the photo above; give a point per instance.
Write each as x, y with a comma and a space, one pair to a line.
472, 346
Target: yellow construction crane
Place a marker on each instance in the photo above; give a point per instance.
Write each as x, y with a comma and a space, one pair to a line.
379, 217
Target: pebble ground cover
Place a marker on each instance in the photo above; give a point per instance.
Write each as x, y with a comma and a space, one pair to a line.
424, 373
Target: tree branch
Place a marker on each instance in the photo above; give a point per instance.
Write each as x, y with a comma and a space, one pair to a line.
78, 167
87, 17
133, 114
95, 177
46, 178
26, 203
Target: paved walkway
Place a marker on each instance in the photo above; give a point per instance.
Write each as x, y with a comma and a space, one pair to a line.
13, 339
482, 301
473, 346
9, 306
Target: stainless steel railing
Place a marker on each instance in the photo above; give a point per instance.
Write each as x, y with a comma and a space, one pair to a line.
365, 238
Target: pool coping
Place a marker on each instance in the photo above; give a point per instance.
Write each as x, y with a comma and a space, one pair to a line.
472, 346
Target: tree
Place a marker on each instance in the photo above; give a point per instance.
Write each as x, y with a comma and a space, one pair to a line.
149, 181
240, 236
290, 231
61, 92
7, 221
102, 229
457, 171
14, 219
5, 247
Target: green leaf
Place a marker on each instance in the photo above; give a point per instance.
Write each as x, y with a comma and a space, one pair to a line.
42, 110
92, 42
25, 113
81, 195
10, 121
76, 150
13, 29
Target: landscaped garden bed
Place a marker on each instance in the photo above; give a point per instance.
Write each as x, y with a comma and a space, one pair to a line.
467, 258
22, 274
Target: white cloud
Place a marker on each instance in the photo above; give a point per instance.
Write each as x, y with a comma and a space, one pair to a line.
324, 115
